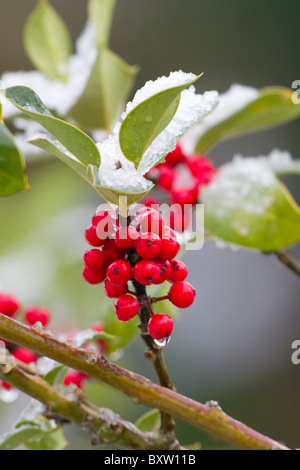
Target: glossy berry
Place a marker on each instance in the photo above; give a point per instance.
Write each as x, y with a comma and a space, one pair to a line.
94, 259
202, 169
176, 157
146, 272
169, 232
160, 326
112, 252
93, 277
98, 327
91, 237
105, 224
153, 222
185, 195
24, 355
9, 305
180, 220
75, 377
126, 307
126, 237
178, 271
169, 249
148, 245
182, 294
113, 291
165, 269
5, 386
36, 314
166, 177
119, 272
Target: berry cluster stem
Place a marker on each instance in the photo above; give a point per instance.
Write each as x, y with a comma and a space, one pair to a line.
155, 354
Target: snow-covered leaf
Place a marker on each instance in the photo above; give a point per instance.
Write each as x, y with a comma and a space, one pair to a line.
53, 440
11, 441
75, 141
105, 93
12, 166
247, 205
113, 183
242, 110
100, 14
160, 113
47, 41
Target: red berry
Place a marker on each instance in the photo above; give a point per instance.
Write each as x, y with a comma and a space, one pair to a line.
185, 195
169, 232
119, 272
6, 386
202, 169
166, 177
112, 252
126, 307
165, 269
175, 157
37, 314
126, 237
75, 377
160, 326
180, 220
148, 245
24, 355
98, 327
169, 249
105, 224
91, 237
112, 290
94, 259
93, 277
146, 272
178, 271
9, 305
150, 201
182, 294
153, 222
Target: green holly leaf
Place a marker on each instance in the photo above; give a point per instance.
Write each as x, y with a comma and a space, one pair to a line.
148, 119
149, 421
271, 107
100, 14
73, 139
106, 92
56, 375
247, 205
12, 165
47, 41
48, 440
17, 438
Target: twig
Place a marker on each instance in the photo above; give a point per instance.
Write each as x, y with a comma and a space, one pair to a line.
104, 425
289, 260
208, 418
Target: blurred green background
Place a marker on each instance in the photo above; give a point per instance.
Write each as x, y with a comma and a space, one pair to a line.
234, 344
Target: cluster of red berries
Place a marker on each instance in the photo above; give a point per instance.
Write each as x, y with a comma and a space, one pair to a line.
10, 306
142, 253
182, 177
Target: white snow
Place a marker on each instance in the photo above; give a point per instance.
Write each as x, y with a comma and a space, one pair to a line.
233, 100
56, 94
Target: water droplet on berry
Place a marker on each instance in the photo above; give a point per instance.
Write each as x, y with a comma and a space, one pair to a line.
9, 396
161, 343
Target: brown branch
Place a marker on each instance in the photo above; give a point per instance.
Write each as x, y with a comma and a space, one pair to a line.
208, 418
104, 425
289, 260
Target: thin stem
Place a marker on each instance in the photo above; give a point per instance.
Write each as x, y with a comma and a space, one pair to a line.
289, 260
158, 299
155, 354
206, 417
104, 425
